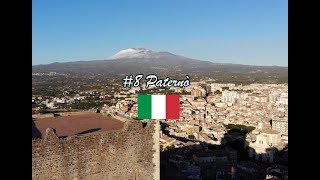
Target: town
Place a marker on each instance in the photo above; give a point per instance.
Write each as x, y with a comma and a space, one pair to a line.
224, 130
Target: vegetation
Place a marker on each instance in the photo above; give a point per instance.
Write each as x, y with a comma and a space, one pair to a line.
224, 88
239, 128
84, 105
191, 137
151, 91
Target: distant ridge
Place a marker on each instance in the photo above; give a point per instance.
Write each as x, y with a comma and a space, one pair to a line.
146, 61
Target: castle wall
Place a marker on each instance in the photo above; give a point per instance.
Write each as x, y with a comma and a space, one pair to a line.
120, 154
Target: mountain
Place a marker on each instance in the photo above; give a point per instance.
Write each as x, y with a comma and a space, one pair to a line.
141, 60
143, 53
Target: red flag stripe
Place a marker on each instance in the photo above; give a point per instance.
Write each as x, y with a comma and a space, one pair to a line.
172, 106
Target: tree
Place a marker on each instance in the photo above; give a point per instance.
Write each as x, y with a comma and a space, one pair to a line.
239, 128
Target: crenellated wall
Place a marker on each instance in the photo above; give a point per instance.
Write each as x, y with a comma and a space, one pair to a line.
113, 155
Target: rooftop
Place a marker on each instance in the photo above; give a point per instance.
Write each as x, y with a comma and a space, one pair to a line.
270, 131
75, 124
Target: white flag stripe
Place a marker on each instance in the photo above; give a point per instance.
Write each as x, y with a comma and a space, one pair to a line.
158, 105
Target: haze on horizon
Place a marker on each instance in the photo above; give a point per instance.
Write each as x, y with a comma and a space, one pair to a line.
240, 32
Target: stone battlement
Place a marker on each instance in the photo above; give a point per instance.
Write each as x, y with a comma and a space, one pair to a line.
119, 154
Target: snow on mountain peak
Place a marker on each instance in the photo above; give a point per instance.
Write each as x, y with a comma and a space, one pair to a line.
133, 53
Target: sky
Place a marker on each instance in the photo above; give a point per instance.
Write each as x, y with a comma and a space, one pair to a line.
253, 32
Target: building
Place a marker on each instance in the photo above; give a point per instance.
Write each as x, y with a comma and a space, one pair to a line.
260, 125
199, 92
280, 124
200, 103
190, 129
258, 98
167, 141
232, 155
283, 99
203, 157
263, 147
229, 96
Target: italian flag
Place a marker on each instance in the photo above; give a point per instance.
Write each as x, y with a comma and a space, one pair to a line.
158, 106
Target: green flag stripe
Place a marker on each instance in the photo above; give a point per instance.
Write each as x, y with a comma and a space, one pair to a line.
144, 106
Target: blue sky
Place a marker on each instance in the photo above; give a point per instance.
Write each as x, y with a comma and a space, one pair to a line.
230, 31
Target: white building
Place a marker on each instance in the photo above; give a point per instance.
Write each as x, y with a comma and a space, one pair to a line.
283, 99
229, 96
263, 147
280, 124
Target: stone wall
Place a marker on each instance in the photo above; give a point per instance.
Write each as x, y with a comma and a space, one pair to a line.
120, 155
